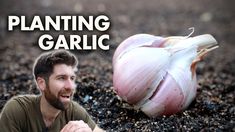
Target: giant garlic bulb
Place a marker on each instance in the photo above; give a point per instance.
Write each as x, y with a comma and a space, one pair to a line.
157, 74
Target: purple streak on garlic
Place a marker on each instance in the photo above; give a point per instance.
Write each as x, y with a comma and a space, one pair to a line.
156, 74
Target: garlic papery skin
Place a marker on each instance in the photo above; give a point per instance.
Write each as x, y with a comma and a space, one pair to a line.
157, 74
138, 40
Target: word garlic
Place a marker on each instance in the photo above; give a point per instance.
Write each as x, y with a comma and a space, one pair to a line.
157, 74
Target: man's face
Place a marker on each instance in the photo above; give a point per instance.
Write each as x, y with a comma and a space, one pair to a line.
61, 86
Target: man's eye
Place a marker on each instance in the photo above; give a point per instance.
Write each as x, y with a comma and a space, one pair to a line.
73, 78
61, 78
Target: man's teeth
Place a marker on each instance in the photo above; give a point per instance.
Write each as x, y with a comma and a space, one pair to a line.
65, 96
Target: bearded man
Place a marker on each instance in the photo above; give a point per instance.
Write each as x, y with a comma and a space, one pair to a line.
53, 110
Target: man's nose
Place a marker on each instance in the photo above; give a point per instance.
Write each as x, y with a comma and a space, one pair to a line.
69, 84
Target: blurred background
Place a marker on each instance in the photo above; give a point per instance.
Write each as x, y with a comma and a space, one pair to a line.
212, 110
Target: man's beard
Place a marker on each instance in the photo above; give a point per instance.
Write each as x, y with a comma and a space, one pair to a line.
55, 101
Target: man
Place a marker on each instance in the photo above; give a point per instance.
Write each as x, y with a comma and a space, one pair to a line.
53, 110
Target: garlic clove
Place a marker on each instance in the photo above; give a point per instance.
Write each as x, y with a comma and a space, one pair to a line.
167, 99
176, 88
129, 77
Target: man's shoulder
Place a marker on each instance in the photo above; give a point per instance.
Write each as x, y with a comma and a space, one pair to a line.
23, 101
25, 98
19, 105
17, 111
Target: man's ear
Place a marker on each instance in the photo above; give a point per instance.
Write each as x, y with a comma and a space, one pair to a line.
41, 83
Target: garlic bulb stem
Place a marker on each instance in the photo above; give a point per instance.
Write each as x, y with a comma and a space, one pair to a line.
201, 42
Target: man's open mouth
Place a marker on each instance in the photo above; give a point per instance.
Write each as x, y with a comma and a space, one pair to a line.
65, 97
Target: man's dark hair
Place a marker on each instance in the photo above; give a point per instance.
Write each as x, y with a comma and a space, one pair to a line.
45, 63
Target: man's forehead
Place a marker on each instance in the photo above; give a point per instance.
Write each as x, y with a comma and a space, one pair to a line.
63, 69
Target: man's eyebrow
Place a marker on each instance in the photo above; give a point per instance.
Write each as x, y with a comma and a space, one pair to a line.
74, 75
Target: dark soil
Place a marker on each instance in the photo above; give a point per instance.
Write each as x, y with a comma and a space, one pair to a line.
212, 110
